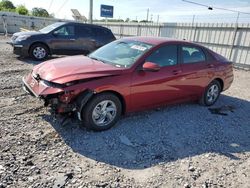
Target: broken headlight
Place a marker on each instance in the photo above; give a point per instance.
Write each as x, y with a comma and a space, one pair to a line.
51, 84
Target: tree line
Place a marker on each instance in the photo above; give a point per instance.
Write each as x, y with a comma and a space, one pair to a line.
7, 5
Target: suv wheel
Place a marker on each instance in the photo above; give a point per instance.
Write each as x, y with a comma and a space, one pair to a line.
39, 51
102, 112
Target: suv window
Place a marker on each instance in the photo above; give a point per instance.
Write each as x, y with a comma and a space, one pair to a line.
68, 30
164, 56
83, 31
192, 54
100, 32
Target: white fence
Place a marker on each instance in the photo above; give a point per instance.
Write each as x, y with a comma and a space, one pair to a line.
230, 40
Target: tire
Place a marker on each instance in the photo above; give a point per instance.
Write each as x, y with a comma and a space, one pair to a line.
211, 94
98, 119
39, 52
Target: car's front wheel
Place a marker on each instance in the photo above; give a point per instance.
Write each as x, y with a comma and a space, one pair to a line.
102, 112
211, 93
39, 51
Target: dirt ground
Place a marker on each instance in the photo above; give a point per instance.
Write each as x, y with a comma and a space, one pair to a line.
177, 146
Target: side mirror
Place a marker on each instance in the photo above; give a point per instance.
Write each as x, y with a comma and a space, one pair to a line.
150, 66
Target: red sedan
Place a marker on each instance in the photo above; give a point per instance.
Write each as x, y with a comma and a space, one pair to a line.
127, 75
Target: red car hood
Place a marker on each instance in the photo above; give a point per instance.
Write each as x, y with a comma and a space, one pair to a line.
63, 70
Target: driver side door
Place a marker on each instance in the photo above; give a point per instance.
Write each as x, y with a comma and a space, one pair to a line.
149, 88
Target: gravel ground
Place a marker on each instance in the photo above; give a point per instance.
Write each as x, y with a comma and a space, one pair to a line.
177, 146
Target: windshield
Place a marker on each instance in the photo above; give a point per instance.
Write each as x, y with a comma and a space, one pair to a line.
51, 27
121, 53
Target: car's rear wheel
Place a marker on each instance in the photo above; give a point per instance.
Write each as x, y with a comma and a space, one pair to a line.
102, 112
211, 93
39, 51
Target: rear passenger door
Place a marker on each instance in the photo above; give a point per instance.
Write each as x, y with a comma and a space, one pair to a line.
103, 36
86, 38
64, 40
195, 69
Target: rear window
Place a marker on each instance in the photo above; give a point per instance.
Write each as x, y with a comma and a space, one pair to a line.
191, 54
83, 31
101, 32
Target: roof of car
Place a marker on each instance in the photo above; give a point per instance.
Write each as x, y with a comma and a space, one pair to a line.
85, 24
156, 40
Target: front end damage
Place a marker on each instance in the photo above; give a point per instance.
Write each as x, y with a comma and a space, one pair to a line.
67, 102
58, 97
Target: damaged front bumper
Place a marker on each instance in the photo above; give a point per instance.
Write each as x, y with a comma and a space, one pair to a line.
57, 101
28, 89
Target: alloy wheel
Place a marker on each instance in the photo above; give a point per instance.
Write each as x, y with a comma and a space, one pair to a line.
213, 93
104, 113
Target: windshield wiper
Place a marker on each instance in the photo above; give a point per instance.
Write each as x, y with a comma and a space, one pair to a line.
97, 59
106, 62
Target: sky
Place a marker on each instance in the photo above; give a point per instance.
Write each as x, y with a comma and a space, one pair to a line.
168, 10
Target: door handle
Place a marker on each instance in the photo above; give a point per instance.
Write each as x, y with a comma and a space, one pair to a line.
72, 39
175, 72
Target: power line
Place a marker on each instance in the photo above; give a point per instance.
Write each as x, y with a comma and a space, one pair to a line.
196, 3
51, 2
213, 7
62, 6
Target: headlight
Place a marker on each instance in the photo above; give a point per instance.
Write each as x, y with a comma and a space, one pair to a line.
56, 85
70, 83
46, 83
51, 84
22, 37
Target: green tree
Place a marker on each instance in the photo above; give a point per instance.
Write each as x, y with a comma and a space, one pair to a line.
40, 12
21, 9
145, 21
6, 5
127, 20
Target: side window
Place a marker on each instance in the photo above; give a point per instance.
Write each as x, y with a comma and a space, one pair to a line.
68, 30
100, 32
164, 56
97, 32
83, 31
192, 54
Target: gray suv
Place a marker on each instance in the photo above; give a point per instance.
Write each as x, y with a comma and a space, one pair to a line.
61, 38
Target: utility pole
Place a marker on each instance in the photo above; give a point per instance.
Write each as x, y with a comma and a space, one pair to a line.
90, 11
158, 17
193, 20
237, 19
147, 14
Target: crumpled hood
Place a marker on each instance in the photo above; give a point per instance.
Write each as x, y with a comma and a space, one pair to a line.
63, 70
